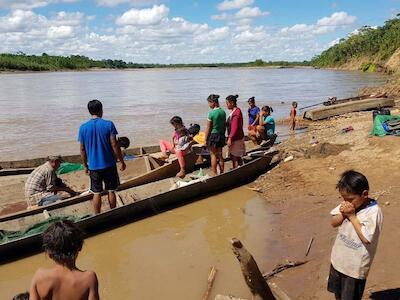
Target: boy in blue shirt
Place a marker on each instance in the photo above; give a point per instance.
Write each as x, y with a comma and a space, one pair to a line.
99, 152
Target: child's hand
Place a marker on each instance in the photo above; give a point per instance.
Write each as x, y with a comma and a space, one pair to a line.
347, 209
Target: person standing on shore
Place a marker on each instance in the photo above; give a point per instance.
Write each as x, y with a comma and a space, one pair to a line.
99, 151
293, 114
359, 220
215, 133
235, 140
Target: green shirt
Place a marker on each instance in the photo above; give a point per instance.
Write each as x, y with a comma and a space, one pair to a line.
218, 118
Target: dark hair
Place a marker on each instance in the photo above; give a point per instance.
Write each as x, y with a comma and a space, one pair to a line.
62, 241
232, 98
194, 129
267, 108
95, 107
124, 142
294, 103
176, 120
21, 296
251, 99
353, 182
213, 98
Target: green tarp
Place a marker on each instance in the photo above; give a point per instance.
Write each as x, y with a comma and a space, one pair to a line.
8, 236
378, 124
67, 167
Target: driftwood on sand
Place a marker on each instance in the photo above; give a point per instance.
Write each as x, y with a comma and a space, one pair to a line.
210, 282
252, 275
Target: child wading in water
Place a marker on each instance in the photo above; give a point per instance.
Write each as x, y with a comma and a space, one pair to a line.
360, 220
181, 143
293, 114
62, 242
215, 133
235, 141
253, 113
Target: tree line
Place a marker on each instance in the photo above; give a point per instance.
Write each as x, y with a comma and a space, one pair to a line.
23, 62
374, 44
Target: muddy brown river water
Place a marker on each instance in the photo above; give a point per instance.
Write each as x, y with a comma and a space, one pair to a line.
169, 256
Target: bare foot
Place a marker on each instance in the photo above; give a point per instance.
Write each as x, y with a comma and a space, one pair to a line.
181, 174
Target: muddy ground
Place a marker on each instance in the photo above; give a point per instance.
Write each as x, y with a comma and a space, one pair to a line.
302, 192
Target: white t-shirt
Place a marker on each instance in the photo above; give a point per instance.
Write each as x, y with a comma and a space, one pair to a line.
349, 255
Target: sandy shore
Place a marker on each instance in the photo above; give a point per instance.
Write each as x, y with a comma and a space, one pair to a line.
302, 192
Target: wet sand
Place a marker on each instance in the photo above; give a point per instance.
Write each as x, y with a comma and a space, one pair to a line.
169, 256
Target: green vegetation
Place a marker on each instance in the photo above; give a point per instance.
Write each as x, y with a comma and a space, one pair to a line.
23, 62
375, 45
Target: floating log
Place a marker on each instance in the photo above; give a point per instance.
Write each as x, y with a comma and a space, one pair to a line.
347, 107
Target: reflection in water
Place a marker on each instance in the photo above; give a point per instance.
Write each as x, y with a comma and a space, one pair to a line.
168, 256
42, 111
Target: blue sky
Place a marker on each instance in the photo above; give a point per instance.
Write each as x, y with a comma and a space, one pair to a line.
186, 31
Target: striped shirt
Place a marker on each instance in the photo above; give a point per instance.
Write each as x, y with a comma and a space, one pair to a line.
40, 183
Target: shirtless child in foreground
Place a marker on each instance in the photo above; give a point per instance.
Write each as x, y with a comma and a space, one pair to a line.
62, 242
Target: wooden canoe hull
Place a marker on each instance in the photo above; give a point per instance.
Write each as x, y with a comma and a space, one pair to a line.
348, 107
146, 207
35, 162
166, 171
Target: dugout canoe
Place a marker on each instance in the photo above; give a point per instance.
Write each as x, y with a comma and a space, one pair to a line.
26, 166
348, 107
133, 204
153, 170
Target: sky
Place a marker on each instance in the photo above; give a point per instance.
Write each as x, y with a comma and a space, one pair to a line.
185, 31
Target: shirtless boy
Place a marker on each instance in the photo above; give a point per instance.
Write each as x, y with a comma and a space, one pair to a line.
62, 242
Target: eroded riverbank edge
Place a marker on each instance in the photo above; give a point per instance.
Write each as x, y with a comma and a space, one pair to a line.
302, 192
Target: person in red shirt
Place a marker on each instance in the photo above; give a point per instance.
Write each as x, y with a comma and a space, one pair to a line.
235, 140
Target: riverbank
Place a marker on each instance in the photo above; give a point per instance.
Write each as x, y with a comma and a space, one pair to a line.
302, 192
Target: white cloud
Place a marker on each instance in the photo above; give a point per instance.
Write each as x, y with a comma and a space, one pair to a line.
220, 17
214, 35
234, 4
111, 3
248, 36
334, 42
147, 16
60, 32
29, 4
323, 25
250, 12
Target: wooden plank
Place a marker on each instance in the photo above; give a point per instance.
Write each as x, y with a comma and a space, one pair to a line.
147, 163
343, 108
21, 171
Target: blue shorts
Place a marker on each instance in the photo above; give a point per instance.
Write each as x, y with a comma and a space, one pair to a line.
49, 200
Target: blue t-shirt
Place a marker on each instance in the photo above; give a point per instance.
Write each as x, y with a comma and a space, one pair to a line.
95, 135
269, 125
253, 114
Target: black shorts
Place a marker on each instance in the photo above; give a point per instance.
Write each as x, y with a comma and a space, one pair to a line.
345, 287
109, 176
216, 140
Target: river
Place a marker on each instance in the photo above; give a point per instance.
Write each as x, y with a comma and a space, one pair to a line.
40, 113
169, 256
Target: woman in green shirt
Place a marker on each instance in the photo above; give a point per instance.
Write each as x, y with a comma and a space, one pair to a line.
215, 133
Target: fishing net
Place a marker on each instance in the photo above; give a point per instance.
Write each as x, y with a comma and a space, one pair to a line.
67, 167
8, 236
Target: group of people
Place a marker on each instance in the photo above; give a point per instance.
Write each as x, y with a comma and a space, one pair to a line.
221, 131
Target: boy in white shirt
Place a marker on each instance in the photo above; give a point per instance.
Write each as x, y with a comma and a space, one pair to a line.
360, 220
